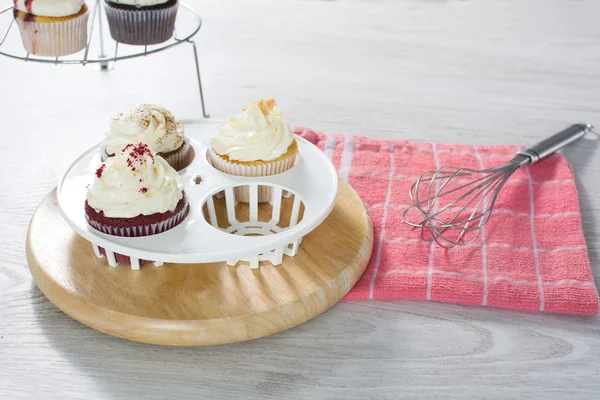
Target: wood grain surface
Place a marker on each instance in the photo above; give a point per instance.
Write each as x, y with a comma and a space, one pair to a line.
200, 304
484, 71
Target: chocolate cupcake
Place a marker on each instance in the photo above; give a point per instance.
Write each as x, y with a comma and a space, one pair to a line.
154, 126
141, 22
52, 28
136, 193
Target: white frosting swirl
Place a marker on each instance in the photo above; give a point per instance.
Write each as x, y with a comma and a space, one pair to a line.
140, 3
259, 133
149, 124
49, 8
135, 182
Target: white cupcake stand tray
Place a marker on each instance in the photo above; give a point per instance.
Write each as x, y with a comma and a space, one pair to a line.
231, 271
312, 181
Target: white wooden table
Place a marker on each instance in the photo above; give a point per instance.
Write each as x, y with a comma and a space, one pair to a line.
451, 71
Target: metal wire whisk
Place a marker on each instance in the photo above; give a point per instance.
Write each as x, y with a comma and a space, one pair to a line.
452, 204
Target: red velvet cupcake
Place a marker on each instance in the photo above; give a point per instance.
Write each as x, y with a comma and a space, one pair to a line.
135, 193
142, 225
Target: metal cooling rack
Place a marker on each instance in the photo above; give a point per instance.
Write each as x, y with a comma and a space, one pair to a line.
121, 51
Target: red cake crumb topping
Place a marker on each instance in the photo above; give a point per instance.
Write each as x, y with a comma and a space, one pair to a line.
100, 170
135, 152
143, 190
28, 4
138, 150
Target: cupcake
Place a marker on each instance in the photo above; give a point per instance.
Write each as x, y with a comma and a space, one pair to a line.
136, 193
154, 126
52, 28
141, 22
257, 142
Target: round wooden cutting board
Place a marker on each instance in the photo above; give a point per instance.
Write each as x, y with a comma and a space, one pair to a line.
200, 304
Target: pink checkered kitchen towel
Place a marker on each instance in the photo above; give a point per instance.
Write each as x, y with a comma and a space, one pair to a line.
531, 256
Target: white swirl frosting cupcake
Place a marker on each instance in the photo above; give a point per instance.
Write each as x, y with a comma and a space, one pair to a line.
135, 193
257, 142
153, 125
52, 27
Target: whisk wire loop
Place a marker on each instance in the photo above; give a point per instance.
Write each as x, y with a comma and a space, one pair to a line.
453, 214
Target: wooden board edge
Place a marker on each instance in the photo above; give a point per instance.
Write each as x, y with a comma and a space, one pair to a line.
186, 331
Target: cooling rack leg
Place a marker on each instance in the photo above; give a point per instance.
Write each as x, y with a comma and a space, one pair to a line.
100, 31
199, 79
104, 65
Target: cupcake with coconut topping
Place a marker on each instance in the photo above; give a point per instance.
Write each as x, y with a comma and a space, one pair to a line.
153, 125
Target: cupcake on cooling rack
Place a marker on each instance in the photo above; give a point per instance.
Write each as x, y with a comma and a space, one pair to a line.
257, 142
154, 126
52, 28
141, 22
135, 193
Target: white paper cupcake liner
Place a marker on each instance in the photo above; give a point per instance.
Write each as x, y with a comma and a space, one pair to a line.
141, 26
54, 39
177, 160
271, 168
142, 230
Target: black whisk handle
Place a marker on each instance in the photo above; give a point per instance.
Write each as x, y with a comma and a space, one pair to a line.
556, 142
